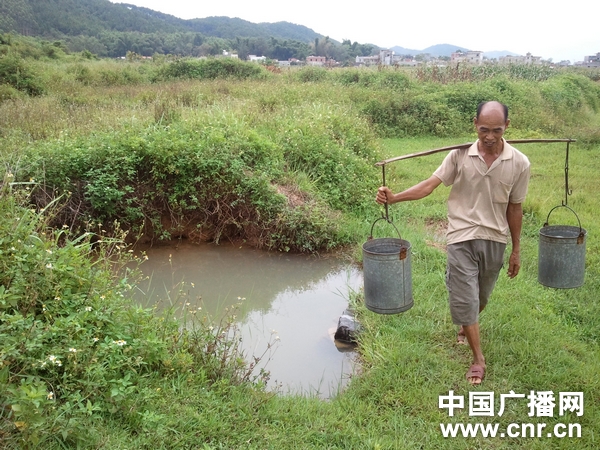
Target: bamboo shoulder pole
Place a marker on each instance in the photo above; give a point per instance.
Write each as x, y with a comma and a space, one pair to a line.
462, 146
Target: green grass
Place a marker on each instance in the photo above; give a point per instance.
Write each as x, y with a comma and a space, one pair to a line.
313, 137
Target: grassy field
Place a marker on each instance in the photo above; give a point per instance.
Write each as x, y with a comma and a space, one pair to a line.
96, 152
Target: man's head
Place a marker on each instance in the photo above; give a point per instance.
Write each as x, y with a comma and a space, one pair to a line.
493, 103
491, 122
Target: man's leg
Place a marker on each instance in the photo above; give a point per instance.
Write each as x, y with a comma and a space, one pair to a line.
463, 277
489, 257
462, 336
472, 334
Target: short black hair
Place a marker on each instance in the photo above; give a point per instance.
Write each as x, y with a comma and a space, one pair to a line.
482, 104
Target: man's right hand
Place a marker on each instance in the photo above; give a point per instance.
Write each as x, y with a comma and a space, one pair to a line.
384, 195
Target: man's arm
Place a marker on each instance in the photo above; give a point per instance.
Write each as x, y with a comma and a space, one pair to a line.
514, 217
418, 191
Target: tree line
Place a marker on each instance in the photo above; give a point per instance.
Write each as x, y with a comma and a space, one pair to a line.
112, 30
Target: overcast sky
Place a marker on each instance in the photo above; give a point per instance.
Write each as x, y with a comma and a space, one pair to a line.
561, 31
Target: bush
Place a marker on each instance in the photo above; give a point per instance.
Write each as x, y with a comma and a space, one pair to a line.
17, 73
415, 116
211, 68
74, 350
7, 92
383, 79
209, 180
570, 93
311, 74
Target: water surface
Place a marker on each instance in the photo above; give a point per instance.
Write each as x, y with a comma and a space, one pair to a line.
292, 301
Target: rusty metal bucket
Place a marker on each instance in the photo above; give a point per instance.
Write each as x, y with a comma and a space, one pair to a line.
387, 274
561, 257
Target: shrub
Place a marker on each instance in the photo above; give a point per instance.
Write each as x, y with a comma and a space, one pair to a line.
74, 350
211, 68
311, 74
384, 79
7, 92
17, 73
415, 116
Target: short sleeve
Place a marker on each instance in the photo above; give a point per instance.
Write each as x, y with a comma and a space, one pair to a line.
519, 190
447, 170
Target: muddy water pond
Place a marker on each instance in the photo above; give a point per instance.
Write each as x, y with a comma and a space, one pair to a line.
291, 301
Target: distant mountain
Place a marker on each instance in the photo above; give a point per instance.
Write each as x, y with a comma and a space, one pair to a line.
405, 51
447, 50
59, 18
113, 29
231, 28
443, 49
498, 53
434, 50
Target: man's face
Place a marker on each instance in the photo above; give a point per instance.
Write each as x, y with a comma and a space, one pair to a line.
491, 127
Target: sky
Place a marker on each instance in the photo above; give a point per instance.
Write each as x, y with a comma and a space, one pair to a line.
566, 31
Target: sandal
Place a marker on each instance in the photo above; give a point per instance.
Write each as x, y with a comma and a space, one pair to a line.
476, 374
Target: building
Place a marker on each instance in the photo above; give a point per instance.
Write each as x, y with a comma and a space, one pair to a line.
227, 54
472, 57
367, 60
384, 58
316, 60
518, 59
255, 58
592, 61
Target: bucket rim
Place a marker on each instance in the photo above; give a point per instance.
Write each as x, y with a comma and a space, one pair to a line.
580, 232
395, 242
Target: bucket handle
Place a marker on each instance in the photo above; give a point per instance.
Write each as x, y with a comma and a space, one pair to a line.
403, 250
581, 234
388, 221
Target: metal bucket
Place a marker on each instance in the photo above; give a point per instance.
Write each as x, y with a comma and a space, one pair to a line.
387, 274
561, 257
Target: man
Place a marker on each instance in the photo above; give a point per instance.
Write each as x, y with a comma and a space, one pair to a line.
489, 183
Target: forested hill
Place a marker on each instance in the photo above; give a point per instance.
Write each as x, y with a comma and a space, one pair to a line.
111, 29
57, 18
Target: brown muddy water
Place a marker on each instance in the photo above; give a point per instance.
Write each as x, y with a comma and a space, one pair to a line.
291, 301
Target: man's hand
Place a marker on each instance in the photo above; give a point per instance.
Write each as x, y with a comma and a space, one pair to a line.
514, 264
384, 195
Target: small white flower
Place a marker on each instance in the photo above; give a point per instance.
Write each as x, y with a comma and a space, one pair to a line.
88, 308
95, 339
56, 298
73, 350
48, 251
102, 297
50, 396
52, 358
48, 266
120, 342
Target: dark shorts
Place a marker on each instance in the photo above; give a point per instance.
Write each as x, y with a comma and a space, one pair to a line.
472, 271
